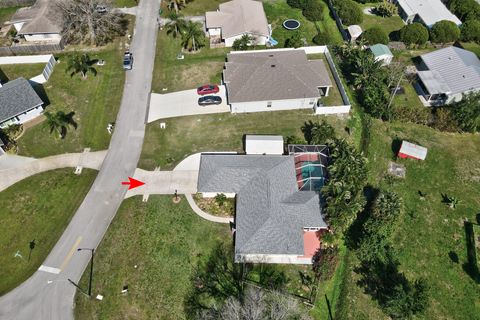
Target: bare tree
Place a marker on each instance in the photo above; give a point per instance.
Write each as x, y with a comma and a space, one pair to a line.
83, 22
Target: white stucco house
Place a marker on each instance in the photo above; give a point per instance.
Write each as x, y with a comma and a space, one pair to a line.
445, 75
38, 23
236, 18
19, 103
272, 80
427, 12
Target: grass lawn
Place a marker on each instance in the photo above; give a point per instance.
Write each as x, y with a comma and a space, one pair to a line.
277, 12
218, 132
194, 8
194, 70
38, 208
95, 102
11, 72
388, 24
472, 46
165, 242
334, 98
429, 235
125, 3
6, 14
410, 98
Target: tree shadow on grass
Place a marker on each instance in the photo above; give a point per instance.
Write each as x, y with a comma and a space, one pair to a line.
471, 266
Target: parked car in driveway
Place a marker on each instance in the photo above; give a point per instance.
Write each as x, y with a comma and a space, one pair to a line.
209, 100
207, 89
128, 60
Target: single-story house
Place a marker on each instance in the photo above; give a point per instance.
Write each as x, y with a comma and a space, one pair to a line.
382, 53
263, 144
412, 151
19, 103
354, 32
427, 12
38, 22
446, 74
276, 220
271, 80
236, 18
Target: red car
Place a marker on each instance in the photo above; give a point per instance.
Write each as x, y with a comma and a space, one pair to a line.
208, 89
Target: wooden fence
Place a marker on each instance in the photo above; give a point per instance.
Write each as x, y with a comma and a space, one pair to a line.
33, 48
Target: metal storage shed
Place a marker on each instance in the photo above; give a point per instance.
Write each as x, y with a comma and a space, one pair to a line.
413, 151
260, 144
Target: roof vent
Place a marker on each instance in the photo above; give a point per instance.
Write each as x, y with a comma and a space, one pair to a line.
273, 66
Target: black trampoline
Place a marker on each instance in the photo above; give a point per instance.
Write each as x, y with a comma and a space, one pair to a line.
291, 24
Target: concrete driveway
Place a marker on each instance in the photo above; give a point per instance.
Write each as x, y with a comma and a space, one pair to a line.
182, 103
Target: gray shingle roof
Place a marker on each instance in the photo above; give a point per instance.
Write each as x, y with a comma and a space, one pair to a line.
16, 97
273, 75
271, 213
451, 68
39, 18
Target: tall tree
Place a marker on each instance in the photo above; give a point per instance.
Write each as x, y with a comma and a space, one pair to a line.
175, 25
59, 121
193, 36
467, 112
83, 23
80, 63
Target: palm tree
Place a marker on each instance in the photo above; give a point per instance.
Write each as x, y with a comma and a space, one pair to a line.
80, 63
193, 36
177, 4
176, 24
59, 121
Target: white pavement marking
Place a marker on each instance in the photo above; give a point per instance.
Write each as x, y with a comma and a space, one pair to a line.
49, 269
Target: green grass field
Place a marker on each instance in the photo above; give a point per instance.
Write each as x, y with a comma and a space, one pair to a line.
125, 3
95, 102
194, 8
388, 24
165, 242
11, 72
194, 70
217, 132
7, 13
38, 208
428, 233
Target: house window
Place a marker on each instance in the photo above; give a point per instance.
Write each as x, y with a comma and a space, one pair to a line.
269, 104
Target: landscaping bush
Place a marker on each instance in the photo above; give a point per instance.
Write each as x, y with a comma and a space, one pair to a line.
349, 11
386, 9
467, 112
411, 114
295, 41
470, 31
415, 33
444, 31
465, 10
296, 3
313, 10
375, 35
443, 120
324, 262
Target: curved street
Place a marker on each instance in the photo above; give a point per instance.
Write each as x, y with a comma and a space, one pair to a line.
47, 294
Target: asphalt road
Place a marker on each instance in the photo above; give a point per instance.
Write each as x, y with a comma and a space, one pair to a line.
47, 295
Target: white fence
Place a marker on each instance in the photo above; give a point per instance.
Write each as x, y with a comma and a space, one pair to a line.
49, 59
332, 110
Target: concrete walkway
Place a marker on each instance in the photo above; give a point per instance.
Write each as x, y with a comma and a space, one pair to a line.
16, 168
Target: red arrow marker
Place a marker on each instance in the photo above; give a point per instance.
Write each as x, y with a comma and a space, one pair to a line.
133, 183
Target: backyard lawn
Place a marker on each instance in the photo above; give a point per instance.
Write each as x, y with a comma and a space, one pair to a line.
278, 11
218, 132
194, 8
430, 237
11, 72
125, 3
388, 24
95, 102
196, 69
36, 209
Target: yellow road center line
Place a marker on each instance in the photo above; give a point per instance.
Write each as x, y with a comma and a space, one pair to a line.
70, 254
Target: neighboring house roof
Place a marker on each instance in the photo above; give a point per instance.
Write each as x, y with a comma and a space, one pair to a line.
17, 97
451, 70
430, 11
39, 18
238, 17
273, 75
270, 211
379, 50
